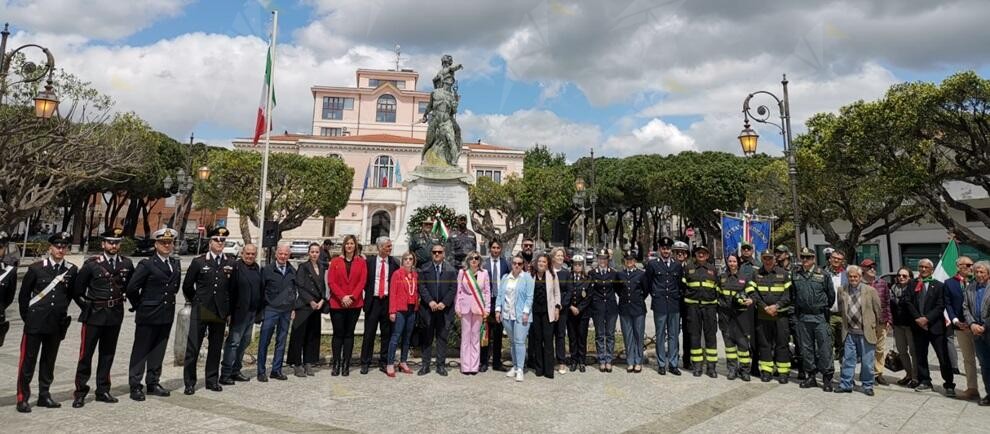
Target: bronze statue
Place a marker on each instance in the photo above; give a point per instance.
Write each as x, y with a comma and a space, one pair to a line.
443, 135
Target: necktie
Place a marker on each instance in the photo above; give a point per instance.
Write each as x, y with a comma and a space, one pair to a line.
281, 269
438, 278
111, 263
497, 275
381, 280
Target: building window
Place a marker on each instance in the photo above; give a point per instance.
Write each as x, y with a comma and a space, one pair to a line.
328, 226
422, 106
492, 174
333, 107
337, 156
383, 172
374, 82
386, 109
331, 132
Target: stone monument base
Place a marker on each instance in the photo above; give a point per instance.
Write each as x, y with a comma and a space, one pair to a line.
429, 185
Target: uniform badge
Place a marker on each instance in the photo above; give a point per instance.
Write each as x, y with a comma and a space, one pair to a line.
584, 294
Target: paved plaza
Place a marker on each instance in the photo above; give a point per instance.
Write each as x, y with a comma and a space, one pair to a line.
592, 402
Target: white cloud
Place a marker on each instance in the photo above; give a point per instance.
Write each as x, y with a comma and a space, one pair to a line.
103, 19
656, 137
525, 128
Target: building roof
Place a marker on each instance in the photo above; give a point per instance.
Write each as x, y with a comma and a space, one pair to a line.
378, 138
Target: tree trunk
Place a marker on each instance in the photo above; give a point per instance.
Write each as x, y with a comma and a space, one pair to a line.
245, 229
79, 220
131, 217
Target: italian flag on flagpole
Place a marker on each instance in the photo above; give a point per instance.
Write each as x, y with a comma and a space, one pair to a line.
440, 229
946, 267
264, 117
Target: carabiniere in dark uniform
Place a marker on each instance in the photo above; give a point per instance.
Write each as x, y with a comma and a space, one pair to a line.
99, 292
8, 284
151, 292
207, 285
44, 300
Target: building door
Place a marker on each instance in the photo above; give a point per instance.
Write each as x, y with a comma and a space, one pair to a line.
381, 224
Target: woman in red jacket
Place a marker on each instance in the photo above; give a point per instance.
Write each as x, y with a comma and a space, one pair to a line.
345, 279
403, 302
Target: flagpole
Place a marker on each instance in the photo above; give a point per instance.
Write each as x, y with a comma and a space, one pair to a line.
264, 157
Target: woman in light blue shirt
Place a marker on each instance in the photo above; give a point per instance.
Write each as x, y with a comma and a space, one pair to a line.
512, 308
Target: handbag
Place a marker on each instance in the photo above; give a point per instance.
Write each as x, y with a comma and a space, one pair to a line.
893, 361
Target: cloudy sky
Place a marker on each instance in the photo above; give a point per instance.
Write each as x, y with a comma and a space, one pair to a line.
624, 77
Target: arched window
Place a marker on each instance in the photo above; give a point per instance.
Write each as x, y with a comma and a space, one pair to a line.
335, 155
383, 172
381, 224
386, 109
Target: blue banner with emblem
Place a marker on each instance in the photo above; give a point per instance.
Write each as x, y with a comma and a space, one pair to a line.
759, 234
732, 234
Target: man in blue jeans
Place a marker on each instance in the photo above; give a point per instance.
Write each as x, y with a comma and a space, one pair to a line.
246, 303
663, 283
280, 294
859, 305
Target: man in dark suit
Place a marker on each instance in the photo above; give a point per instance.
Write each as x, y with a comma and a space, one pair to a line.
376, 290
8, 284
496, 266
151, 292
928, 309
560, 327
44, 300
437, 288
246, 303
99, 292
663, 283
207, 285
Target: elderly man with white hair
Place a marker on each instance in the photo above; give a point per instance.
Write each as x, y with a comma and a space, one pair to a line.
927, 307
279, 291
976, 308
859, 305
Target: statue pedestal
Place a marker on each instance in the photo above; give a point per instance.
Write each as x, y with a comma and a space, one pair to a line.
429, 185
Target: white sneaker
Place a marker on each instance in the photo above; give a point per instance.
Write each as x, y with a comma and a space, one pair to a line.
511, 373
562, 370
519, 375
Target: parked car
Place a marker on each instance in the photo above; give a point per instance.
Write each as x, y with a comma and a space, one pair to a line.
192, 246
299, 248
233, 248
143, 247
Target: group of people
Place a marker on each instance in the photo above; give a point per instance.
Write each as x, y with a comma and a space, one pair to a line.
543, 305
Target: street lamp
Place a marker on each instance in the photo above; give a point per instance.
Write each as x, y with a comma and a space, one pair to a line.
748, 140
203, 173
46, 102
579, 203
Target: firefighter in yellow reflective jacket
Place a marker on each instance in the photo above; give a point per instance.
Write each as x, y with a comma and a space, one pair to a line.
701, 298
735, 318
770, 290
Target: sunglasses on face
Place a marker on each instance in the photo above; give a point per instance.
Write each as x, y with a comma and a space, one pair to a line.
438, 252
527, 245
475, 258
903, 276
965, 265
519, 264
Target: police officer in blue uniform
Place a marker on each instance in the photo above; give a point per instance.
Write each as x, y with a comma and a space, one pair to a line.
99, 292
207, 286
151, 292
632, 311
44, 300
663, 283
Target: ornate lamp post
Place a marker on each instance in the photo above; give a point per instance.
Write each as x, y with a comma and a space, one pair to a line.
748, 140
46, 103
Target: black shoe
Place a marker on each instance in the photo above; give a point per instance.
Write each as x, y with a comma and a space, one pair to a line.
955, 371
662, 371
442, 371
498, 367
423, 371
336, 370
189, 390
47, 402
801, 376
983, 402
78, 402
904, 381
227, 381
365, 369
697, 371
298, 371
483, 368
572, 367
345, 370
827, 382
581, 367
215, 387
279, 376
809, 383
764, 377
710, 371
732, 375
262, 378
744, 375
950, 392
158, 390
240, 377
782, 379
308, 370
912, 384
881, 381
381, 367
923, 387
675, 371
137, 394
23, 407
106, 397
841, 390
868, 392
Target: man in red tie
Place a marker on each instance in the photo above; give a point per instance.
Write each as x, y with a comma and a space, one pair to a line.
376, 290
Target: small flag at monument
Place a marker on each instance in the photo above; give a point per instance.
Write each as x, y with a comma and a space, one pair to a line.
440, 229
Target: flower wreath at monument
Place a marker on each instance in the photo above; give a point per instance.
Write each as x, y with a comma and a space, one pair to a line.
428, 213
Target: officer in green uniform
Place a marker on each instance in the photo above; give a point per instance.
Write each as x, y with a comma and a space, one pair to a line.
701, 299
735, 318
783, 255
813, 294
421, 243
770, 290
748, 263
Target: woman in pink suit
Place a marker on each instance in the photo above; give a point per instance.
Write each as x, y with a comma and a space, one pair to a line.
473, 304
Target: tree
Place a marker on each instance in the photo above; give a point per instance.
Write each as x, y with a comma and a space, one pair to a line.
703, 182
298, 187
842, 177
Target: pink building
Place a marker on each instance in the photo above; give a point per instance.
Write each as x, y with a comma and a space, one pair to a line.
375, 129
